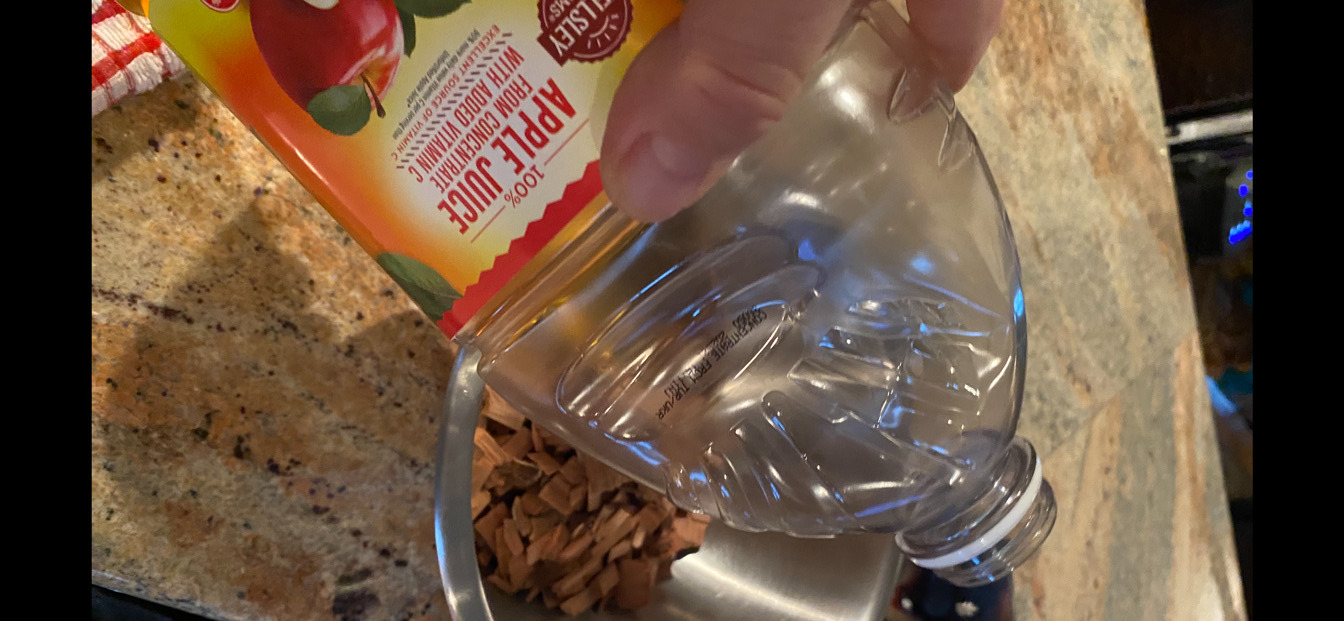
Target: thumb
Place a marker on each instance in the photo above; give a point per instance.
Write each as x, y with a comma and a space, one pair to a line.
704, 89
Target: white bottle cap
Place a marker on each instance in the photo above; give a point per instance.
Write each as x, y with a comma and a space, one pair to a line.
995, 534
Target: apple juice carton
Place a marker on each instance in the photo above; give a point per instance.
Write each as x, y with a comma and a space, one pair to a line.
831, 341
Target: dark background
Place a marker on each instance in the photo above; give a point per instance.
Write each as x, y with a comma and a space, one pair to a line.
1202, 49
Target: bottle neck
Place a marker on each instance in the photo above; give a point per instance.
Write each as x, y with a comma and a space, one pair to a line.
994, 534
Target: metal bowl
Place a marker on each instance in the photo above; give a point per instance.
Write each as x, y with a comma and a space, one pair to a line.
734, 576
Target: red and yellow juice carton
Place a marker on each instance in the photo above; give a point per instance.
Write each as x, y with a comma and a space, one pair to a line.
453, 140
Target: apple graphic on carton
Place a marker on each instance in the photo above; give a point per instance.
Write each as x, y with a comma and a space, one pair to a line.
338, 58
334, 58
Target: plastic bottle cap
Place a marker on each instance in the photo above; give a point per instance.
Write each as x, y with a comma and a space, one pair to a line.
995, 534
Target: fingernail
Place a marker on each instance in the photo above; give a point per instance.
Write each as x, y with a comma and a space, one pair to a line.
658, 177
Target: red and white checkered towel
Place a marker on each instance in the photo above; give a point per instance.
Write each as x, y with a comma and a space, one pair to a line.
127, 57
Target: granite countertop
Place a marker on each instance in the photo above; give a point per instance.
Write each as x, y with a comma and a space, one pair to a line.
265, 399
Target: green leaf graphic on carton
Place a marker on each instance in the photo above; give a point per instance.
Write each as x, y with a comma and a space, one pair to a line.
407, 31
429, 290
341, 110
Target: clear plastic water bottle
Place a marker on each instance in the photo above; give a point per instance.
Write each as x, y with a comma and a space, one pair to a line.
833, 340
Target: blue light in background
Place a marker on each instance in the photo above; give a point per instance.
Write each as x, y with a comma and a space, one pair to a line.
921, 264
1239, 232
1248, 175
1221, 404
805, 251
1242, 190
1246, 209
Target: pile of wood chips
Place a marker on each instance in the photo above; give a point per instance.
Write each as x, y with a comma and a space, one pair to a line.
555, 524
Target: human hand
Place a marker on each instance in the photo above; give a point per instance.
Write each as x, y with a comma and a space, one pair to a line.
714, 81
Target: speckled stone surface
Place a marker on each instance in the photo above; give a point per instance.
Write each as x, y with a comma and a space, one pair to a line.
1066, 108
264, 398
264, 401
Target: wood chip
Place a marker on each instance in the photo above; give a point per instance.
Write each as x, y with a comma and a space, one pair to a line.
503, 551
556, 494
518, 445
605, 583
499, 410
553, 441
664, 569
651, 517
635, 587
664, 543
613, 531
488, 449
512, 537
648, 495
520, 572
545, 573
622, 548
577, 579
479, 501
572, 471
601, 477
501, 583
577, 495
603, 515
545, 522
689, 529
537, 444
488, 523
559, 538
548, 546
614, 527
580, 602
513, 474
606, 580
480, 471
521, 521
532, 504
544, 461
576, 546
